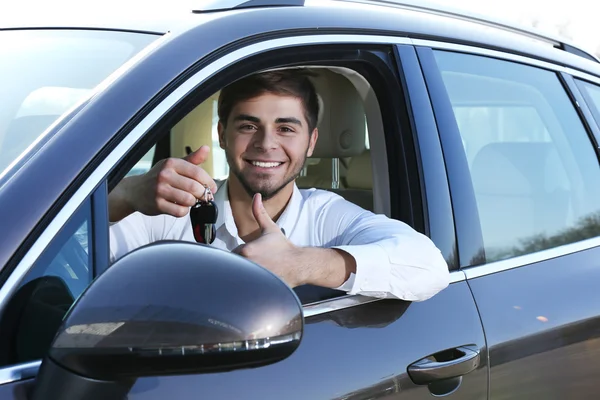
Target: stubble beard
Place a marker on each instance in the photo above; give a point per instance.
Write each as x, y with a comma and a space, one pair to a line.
265, 192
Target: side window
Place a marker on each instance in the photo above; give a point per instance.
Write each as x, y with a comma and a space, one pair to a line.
592, 96
144, 164
34, 313
534, 170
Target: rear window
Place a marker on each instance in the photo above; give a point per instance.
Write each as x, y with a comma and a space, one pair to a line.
44, 73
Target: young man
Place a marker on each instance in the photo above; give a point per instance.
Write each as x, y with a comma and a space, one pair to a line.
268, 127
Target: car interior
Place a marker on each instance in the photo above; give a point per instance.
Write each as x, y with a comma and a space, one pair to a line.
350, 128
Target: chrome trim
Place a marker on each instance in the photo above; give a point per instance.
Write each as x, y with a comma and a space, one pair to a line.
505, 56
456, 13
134, 136
340, 303
343, 302
521, 261
19, 372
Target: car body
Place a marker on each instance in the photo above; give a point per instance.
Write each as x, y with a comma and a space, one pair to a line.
481, 135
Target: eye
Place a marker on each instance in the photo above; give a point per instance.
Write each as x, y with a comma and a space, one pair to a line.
286, 129
247, 128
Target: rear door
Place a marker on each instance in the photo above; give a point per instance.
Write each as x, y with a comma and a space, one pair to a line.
528, 173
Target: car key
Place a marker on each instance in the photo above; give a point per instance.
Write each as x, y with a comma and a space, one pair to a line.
203, 216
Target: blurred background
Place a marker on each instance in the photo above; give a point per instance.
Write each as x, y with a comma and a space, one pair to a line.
575, 20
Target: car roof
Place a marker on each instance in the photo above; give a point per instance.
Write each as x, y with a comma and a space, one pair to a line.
160, 17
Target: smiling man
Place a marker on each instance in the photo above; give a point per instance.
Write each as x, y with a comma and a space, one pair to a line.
268, 127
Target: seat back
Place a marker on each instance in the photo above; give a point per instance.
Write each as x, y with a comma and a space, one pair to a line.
359, 180
342, 129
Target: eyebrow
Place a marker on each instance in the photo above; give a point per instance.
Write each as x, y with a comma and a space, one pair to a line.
288, 120
245, 117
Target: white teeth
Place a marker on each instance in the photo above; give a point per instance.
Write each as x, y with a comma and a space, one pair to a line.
266, 164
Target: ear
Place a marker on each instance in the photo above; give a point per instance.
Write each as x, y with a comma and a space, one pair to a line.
221, 131
313, 142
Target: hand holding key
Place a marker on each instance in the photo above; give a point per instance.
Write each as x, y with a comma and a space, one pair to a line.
171, 187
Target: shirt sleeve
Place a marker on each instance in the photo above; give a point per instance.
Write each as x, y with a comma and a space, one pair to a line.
138, 230
392, 259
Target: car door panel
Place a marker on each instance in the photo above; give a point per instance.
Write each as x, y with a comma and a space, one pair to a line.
355, 353
542, 324
534, 173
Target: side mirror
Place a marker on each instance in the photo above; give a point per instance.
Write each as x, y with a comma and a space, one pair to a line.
165, 309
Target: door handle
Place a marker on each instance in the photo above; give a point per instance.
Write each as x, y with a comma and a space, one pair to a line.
446, 364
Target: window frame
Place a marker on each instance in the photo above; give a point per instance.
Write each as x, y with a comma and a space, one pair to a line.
588, 108
403, 189
465, 229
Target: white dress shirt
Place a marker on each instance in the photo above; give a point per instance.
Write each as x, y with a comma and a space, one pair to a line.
392, 259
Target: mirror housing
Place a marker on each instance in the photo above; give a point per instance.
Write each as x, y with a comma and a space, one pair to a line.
172, 308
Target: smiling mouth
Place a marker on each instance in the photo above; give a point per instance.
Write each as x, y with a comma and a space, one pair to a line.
265, 164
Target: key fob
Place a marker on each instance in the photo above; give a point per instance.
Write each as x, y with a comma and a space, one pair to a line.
203, 216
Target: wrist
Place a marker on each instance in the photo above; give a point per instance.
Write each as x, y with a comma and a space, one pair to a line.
301, 261
119, 204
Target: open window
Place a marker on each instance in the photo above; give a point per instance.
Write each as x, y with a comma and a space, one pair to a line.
351, 157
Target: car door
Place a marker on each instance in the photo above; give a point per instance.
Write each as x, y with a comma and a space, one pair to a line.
353, 347
524, 157
356, 347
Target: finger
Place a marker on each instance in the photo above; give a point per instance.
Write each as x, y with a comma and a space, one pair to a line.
173, 209
177, 196
187, 185
265, 222
199, 156
194, 172
238, 250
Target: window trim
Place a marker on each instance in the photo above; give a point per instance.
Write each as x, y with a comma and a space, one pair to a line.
531, 258
349, 301
19, 372
588, 107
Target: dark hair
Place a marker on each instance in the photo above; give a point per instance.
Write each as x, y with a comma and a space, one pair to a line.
294, 83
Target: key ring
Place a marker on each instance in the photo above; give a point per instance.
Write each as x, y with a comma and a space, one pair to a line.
207, 196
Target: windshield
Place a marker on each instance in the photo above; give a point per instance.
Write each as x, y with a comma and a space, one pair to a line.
44, 73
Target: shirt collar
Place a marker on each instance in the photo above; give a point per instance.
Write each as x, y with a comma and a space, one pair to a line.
287, 220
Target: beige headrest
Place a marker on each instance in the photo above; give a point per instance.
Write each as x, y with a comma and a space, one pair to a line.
341, 118
360, 174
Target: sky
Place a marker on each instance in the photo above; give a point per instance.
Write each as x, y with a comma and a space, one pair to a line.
579, 18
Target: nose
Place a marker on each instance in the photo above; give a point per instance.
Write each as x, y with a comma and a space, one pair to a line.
266, 139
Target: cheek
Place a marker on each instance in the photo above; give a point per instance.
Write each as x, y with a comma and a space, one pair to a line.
237, 144
296, 149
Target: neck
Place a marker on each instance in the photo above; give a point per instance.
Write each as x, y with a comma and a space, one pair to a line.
241, 207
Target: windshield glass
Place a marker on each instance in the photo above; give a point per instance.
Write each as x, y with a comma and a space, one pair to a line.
44, 73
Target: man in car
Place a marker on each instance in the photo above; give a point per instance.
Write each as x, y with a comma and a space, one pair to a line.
268, 127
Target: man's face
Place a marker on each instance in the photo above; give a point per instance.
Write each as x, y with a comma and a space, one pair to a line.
266, 142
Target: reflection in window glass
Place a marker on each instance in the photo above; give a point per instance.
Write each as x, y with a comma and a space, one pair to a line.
59, 276
74, 62
593, 94
533, 168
